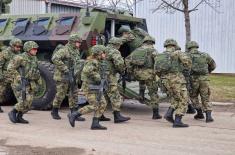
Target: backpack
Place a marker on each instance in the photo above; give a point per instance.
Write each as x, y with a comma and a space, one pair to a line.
199, 63
142, 57
163, 62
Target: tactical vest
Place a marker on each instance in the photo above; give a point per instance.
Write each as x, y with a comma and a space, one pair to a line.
142, 57
199, 63
164, 63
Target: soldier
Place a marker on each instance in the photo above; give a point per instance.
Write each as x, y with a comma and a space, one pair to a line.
134, 39
5, 56
168, 67
141, 62
115, 64
202, 65
65, 61
24, 70
92, 76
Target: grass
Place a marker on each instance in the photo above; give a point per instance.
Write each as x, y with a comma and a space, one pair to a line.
222, 88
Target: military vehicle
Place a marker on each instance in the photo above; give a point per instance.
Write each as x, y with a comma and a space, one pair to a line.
94, 25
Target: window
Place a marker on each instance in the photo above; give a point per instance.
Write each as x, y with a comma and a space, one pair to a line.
66, 21
43, 21
3, 23
21, 22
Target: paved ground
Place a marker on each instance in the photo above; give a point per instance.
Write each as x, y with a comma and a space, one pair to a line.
141, 135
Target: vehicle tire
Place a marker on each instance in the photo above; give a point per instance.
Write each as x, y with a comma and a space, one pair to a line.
47, 90
9, 97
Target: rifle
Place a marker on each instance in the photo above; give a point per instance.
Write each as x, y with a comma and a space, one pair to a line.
23, 83
71, 78
186, 74
123, 79
103, 86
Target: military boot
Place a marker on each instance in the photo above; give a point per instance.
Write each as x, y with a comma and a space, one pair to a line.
191, 109
156, 114
103, 118
1, 111
118, 118
96, 126
12, 115
209, 117
81, 119
20, 118
178, 123
169, 115
199, 114
55, 113
72, 117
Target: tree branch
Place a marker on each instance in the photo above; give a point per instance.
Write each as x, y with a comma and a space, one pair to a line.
173, 7
195, 8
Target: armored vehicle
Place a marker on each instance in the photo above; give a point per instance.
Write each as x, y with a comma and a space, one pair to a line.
95, 26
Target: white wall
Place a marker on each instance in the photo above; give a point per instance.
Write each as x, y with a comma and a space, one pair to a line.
215, 32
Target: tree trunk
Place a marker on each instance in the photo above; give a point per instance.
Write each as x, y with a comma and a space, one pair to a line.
187, 21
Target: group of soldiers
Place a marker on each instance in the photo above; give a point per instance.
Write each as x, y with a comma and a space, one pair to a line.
99, 81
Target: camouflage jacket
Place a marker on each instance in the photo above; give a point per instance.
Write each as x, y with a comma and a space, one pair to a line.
28, 62
114, 60
90, 73
65, 59
5, 57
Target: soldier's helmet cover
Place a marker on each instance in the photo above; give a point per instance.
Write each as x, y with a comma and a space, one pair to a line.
149, 39
97, 49
30, 45
74, 38
16, 41
192, 44
115, 41
123, 29
169, 42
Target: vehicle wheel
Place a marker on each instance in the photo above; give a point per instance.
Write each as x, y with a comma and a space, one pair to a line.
47, 87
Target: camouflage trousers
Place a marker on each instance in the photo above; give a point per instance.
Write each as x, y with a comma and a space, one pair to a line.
147, 78
62, 88
176, 89
23, 105
94, 105
200, 86
3, 87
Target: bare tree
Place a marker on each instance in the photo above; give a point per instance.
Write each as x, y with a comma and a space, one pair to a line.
114, 3
171, 6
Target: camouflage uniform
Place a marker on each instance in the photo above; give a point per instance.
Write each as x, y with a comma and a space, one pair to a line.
91, 76
174, 81
65, 59
145, 73
133, 41
115, 64
5, 57
28, 64
200, 81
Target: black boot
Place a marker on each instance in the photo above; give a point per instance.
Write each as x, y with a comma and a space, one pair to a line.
156, 114
199, 114
169, 115
72, 117
209, 117
191, 109
55, 113
12, 115
20, 118
96, 126
118, 118
1, 111
103, 118
178, 123
81, 119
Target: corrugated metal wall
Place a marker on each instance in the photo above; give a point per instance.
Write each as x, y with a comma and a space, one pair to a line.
27, 7
56, 8
215, 32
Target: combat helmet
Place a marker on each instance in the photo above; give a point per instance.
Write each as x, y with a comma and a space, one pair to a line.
149, 39
170, 42
74, 38
123, 29
115, 41
97, 49
30, 45
16, 41
192, 44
